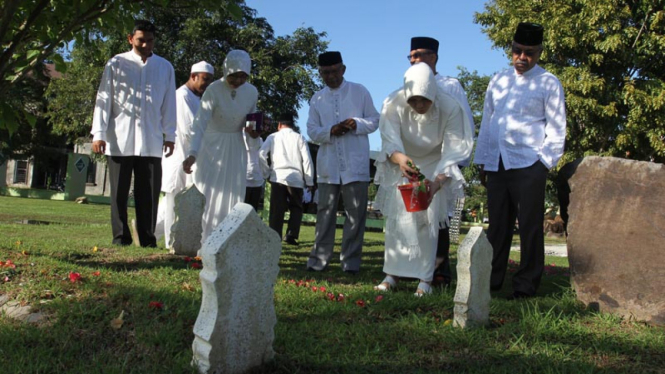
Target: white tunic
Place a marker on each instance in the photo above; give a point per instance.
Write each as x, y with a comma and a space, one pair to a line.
436, 141
135, 110
219, 148
291, 161
254, 173
174, 178
342, 159
524, 120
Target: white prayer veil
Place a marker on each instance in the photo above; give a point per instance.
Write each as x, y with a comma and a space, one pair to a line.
237, 60
419, 81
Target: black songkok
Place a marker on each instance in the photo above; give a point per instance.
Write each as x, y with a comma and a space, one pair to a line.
529, 34
424, 42
285, 117
330, 58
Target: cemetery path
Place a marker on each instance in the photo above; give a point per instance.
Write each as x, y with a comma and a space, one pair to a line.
559, 250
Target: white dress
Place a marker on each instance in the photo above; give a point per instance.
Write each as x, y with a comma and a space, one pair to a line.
217, 143
436, 141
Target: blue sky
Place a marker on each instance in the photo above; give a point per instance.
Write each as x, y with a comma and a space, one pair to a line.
374, 38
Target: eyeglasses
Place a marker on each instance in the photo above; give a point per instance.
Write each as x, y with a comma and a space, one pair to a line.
333, 71
417, 55
527, 52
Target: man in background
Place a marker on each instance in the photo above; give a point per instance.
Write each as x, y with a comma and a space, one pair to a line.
341, 116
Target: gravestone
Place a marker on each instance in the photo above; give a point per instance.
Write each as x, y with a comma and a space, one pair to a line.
474, 266
616, 237
235, 327
187, 227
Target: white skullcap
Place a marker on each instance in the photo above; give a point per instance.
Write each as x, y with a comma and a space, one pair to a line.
202, 67
419, 81
237, 60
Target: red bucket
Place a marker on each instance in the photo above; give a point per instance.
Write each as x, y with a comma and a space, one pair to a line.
414, 201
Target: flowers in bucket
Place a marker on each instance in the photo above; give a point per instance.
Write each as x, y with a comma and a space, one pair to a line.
414, 194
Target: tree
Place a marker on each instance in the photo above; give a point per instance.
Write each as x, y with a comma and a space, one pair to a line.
32, 31
283, 67
475, 86
608, 55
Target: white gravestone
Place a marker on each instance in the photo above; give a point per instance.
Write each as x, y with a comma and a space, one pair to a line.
187, 227
235, 327
474, 266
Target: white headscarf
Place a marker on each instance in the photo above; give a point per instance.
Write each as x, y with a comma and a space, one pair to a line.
419, 81
237, 60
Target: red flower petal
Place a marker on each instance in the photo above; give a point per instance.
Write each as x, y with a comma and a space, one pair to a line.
97, 273
74, 277
187, 259
378, 298
196, 265
360, 303
314, 288
322, 289
156, 305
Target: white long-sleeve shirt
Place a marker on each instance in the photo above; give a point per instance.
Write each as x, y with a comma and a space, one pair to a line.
453, 87
291, 161
342, 159
524, 120
254, 173
174, 178
135, 110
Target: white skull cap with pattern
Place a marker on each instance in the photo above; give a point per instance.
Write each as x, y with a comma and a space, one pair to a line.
419, 81
237, 60
202, 67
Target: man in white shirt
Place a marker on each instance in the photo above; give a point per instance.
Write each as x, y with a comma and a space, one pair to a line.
521, 137
340, 117
290, 171
133, 123
426, 49
174, 179
254, 178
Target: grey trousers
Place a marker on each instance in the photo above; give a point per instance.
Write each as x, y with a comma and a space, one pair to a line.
355, 205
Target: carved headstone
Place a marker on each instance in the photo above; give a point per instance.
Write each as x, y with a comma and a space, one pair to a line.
187, 227
474, 266
616, 237
235, 327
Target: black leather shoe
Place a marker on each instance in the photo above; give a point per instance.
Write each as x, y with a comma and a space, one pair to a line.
290, 240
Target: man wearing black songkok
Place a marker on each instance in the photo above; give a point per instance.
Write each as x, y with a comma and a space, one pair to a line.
521, 137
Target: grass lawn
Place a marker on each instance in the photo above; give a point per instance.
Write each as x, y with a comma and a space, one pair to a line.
160, 295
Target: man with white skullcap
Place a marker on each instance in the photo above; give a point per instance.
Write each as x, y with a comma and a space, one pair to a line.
174, 179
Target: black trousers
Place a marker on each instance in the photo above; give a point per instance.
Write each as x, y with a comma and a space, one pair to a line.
283, 197
517, 193
147, 185
253, 196
443, 251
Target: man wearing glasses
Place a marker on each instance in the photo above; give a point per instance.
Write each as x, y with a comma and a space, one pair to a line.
521, 137
341, 116
426, 49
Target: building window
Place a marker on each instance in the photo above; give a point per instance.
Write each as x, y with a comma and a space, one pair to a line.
21, 172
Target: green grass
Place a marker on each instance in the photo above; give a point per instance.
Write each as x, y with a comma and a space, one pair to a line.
552, 333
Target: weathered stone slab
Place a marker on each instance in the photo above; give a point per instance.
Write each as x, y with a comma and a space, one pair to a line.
187, 227
616, 237
474, 266
235, 327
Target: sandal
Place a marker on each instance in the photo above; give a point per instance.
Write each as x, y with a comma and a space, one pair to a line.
386, 284
423, 289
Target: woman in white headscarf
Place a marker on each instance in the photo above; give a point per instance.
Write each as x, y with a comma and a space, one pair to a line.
217, 145
422, 125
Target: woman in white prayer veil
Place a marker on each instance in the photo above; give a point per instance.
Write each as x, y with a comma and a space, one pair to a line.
217, 145
422, 124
